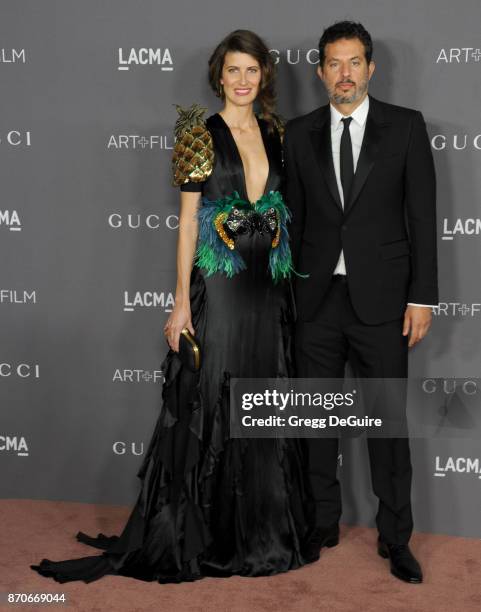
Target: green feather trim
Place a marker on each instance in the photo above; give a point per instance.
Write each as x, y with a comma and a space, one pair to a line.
213, 255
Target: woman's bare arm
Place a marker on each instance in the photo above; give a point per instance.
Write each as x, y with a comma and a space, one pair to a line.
180, 316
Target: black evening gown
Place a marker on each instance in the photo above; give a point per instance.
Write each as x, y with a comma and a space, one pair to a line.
210, 505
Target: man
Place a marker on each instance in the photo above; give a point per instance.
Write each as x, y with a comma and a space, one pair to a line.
361, 188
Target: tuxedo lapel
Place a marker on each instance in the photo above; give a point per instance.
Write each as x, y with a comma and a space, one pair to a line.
375, 124
320, 134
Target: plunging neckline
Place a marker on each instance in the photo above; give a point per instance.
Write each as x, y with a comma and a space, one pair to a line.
239, 157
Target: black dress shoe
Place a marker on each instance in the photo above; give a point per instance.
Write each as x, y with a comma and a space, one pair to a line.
318, 538
403, 563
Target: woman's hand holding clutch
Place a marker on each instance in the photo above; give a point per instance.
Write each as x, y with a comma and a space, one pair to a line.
179, 318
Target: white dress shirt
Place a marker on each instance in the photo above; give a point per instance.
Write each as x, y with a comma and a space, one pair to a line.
356, 130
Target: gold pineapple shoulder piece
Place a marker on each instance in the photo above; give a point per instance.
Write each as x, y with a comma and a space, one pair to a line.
193, 156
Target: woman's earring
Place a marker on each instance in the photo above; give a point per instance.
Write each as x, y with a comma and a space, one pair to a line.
220, 90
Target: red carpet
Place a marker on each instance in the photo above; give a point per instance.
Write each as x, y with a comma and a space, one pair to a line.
349, 577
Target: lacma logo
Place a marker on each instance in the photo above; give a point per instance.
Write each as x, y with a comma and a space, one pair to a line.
12, 56
10, 220
148, 299
460, 465
14, 444
460, 227
458, 55
145, 57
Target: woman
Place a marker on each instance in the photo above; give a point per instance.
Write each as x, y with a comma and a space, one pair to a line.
210, 505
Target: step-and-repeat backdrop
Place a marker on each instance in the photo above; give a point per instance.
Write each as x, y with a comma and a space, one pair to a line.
88, 224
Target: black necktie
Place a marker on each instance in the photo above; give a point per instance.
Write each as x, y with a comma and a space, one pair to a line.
347, 161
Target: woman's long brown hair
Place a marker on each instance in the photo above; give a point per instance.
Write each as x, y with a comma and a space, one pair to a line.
245, 41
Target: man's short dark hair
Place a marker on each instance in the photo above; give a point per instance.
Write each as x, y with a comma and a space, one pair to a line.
345, 29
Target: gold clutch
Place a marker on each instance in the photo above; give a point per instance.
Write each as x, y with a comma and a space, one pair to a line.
189, 350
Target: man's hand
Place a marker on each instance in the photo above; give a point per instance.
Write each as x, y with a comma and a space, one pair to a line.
417, 321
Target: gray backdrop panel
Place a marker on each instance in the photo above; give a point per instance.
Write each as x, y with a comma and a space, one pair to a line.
88, 213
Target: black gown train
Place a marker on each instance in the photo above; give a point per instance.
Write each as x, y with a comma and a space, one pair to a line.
211, 505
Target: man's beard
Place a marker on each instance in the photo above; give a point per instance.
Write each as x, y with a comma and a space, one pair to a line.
359, 91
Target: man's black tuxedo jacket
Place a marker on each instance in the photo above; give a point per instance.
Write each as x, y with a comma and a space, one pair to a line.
387, 229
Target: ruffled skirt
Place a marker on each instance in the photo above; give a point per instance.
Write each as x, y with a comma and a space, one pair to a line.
210, 505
